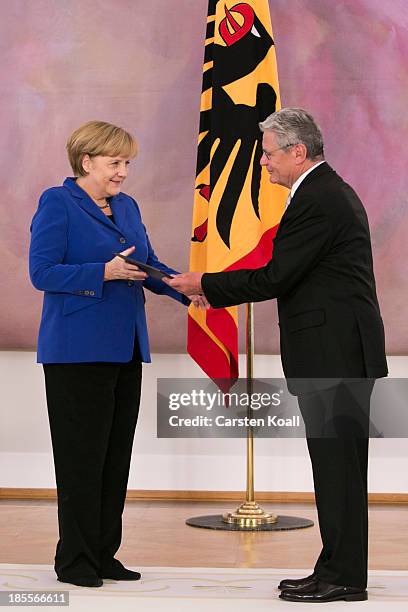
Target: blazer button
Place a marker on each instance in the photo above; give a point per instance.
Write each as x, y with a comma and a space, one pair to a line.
131, 283
122, 240
92, 293
86, 292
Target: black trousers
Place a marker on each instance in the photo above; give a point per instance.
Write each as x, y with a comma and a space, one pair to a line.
93, 409
337, 423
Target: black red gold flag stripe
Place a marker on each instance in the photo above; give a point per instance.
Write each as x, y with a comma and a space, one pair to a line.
236, 209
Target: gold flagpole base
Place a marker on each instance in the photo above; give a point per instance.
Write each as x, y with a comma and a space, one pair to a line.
249, 514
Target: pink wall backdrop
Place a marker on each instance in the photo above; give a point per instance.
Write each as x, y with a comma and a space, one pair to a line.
138, 64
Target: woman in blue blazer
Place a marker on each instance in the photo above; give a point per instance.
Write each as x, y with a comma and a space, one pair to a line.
92, 340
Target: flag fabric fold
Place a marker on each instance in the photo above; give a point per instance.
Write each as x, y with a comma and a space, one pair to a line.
236, 209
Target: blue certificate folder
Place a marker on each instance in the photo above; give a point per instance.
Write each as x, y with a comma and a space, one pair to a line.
150, 270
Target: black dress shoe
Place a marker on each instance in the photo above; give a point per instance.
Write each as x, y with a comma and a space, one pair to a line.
116, 571
289, 583
319, 591
85, 581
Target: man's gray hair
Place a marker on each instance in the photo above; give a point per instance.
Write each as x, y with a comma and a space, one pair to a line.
295, 126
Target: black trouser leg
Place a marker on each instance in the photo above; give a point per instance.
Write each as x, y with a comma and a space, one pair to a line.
118, 457
340, 478
88, 430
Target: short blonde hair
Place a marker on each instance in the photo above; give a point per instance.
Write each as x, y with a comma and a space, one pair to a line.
98, 138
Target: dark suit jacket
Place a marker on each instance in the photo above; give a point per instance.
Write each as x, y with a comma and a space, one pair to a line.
322, 275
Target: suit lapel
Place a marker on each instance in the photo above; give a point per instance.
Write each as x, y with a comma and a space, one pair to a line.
119, 210
320, 171
86, 203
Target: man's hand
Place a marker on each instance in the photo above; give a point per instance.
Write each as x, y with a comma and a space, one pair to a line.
188, 283
118, 269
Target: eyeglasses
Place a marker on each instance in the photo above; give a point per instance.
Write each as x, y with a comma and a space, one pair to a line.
268, 155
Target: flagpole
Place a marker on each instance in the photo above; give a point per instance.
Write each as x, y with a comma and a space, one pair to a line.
250, 493
249, 514
250, 373
238, 44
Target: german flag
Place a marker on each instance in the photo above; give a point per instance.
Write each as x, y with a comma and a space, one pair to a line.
236, 209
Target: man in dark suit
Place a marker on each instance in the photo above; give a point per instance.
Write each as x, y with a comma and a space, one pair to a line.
332, 339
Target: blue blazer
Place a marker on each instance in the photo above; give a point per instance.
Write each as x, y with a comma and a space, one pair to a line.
84, 318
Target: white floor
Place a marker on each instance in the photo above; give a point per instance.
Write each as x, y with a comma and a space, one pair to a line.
197, 589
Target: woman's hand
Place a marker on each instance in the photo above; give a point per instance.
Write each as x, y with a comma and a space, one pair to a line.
118, 269
200, 301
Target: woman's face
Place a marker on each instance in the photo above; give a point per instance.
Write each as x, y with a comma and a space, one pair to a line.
105, 174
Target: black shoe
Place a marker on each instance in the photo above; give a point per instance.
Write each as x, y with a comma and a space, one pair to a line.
116, 571
319, 591
85, 581
288, 583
